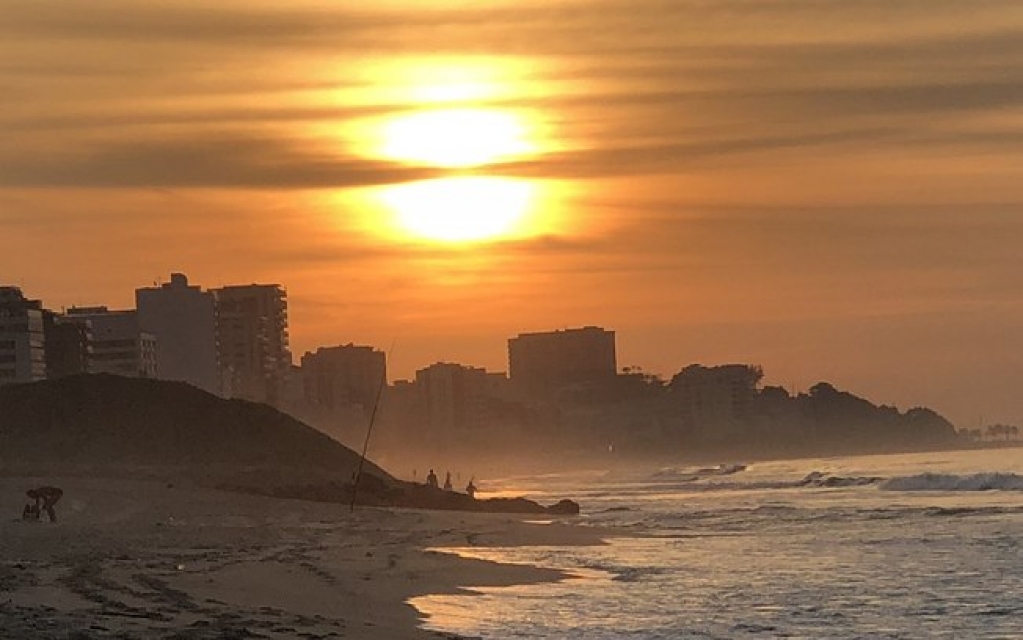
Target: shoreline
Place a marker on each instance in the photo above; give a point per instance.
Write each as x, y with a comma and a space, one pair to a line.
146, 558
575, 461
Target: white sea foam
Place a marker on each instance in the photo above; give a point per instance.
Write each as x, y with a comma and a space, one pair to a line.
692, 474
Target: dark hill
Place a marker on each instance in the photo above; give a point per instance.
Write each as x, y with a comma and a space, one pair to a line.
109, 425
113, 423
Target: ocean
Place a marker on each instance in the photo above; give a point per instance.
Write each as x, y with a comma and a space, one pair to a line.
889, 546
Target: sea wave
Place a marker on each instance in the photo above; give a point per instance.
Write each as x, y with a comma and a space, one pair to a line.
950, 482
690, 474
814, 480
821, 479
919, 482
633, 574
956, 512
725, 480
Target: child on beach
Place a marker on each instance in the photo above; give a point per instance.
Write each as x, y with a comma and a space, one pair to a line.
30, 512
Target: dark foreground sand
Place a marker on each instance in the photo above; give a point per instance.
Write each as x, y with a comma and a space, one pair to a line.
145, 559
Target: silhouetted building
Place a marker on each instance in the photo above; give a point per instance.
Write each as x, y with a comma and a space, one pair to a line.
119, 346
252, 340
291, 393
22, 338
183, 319
400, 418
338, 377
498, 386
542, 364
452, 396
68, 346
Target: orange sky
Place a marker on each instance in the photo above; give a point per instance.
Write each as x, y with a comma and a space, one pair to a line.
830, 190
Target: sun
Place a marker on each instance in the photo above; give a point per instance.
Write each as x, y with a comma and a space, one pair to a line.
456, 138
450, 121
461, 209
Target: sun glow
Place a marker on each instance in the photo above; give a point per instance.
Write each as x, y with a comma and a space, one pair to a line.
451, 120
456, 138
461, 209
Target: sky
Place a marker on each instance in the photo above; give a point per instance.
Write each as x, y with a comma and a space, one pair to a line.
832, 190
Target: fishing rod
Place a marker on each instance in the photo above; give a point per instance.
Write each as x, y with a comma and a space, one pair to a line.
369, 429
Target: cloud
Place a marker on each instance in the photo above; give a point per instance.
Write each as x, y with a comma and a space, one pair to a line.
217, 161
652, 87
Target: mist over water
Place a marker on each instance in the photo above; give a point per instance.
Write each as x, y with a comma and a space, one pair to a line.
897, 546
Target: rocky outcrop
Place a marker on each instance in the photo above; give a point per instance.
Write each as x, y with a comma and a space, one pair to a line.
375, 492
422, 496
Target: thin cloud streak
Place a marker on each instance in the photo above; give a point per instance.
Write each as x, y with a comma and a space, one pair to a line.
884, 90
240, 162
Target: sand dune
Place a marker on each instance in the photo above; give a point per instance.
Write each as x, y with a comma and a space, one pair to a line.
134, 428
103, 421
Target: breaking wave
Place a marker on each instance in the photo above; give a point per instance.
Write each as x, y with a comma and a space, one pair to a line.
821, 479
690, 474
725, 478
948, 482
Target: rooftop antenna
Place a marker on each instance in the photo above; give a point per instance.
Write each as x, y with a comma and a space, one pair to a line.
369, 429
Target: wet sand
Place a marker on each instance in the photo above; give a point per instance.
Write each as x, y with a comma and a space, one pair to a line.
149, 559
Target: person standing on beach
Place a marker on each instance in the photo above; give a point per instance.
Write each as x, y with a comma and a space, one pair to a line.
470, 489
431, 479
447, 482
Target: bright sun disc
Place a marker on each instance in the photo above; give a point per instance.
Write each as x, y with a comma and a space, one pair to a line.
460, 209
454, 138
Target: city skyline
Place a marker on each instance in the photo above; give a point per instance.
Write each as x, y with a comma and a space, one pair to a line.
562, 388
558, 356
830, 191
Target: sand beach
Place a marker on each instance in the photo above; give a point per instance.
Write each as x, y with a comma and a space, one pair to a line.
132, 558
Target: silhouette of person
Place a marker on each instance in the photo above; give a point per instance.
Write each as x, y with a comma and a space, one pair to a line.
470, 489
431, 479
45, 498
447, 482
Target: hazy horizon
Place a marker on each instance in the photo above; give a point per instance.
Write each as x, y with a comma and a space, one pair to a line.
831, 191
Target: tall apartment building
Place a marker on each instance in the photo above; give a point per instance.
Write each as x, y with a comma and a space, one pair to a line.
183, 319
119, 346
541, 364
68, 346
252, 340
338, 377
22, 338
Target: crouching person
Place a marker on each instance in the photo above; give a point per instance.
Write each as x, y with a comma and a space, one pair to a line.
45, 498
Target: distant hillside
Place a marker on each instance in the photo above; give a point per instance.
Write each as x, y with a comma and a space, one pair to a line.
113, 423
